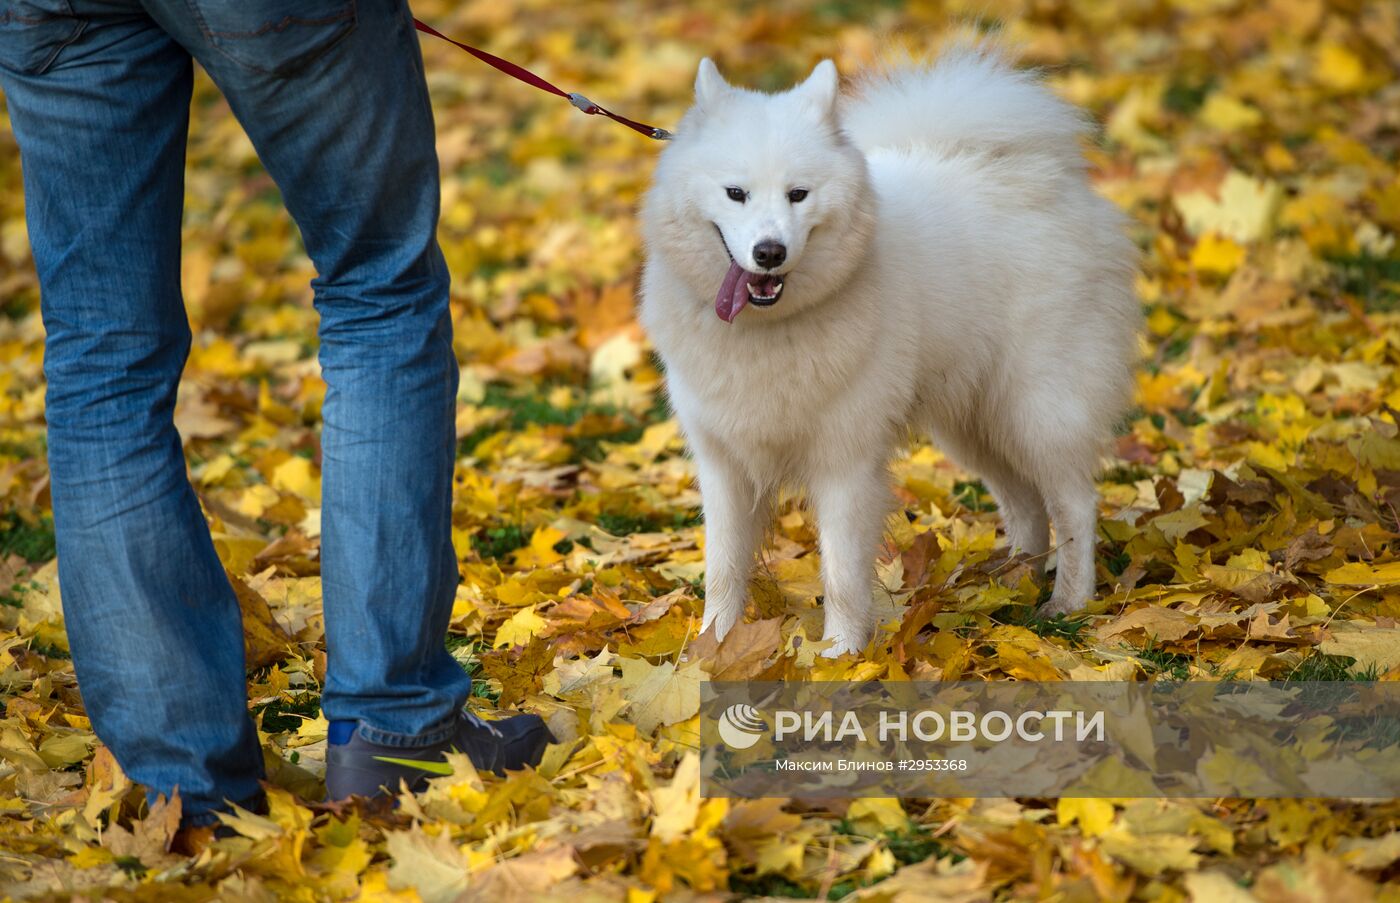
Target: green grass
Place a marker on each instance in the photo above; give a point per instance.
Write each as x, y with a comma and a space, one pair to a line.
916, 845
1375, 281
498, 542
133, 866
1176, 347
857, 10
619, 524
456, 641
775, 886
1161, 661
1378, 731
1322, 667
471, 661
30, 540
973, 496
1064, 626
31, 448
910, 846
1125, 473
1370, 732
20, 305
1117, 563
48, 651
1374, 731
1184, 416
287, 713
590, 448
13, 596
1185, 97
532, 407
522, 409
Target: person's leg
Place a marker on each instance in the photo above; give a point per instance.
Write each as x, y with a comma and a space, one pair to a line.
334, 100
99, 104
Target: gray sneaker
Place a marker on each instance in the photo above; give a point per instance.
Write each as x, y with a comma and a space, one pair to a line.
357, 767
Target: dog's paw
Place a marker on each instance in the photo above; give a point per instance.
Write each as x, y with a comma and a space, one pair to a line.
720, 619
1061, 606
843, 643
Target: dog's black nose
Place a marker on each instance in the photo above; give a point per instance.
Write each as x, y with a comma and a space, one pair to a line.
769, 254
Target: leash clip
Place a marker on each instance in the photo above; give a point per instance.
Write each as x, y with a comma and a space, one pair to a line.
583, 103
530, 78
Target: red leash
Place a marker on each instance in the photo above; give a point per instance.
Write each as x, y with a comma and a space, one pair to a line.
530, 78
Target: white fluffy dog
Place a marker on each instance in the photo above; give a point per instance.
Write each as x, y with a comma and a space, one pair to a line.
826, 273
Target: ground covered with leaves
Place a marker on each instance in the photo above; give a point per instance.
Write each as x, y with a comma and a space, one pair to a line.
1250, 514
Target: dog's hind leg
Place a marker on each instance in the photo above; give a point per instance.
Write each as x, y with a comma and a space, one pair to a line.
1050, 438
736, 515
851, 505
1019, 502
1022, 510
1073, 503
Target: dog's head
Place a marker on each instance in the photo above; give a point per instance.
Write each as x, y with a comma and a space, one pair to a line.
760, 200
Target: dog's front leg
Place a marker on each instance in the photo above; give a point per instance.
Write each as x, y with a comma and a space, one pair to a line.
850, 505
734, 522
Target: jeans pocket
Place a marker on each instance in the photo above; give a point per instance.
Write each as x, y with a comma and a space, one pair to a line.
274, 36
32, 32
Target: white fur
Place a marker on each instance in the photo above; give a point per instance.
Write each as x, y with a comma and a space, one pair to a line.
951, 271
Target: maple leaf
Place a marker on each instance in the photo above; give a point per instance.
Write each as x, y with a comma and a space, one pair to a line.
519, 628
430, 864
1243, 211
1372, 646
660, 694
541, 551
742, 653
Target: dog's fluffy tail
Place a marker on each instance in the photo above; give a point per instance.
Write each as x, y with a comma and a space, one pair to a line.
969, 99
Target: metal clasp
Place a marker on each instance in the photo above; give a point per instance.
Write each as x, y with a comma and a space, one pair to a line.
583, 103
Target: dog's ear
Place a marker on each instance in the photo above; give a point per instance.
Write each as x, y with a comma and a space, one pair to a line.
710, 86
819, 90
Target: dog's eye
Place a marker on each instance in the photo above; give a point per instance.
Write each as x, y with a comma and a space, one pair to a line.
737, 194
797, 195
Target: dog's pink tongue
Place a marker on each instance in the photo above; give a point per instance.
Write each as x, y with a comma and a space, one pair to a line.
733, 293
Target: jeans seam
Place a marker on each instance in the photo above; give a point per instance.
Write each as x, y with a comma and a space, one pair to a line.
198, 16
44, 15
12, 16
282, 25
352, 13
77, 33
31, 21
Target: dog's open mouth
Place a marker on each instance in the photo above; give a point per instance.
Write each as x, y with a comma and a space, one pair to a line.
740, 288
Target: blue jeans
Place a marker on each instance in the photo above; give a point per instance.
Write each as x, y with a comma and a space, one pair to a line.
333, 96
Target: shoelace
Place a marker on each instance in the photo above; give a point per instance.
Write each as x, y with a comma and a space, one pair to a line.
477, 721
